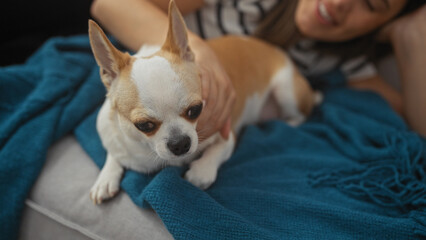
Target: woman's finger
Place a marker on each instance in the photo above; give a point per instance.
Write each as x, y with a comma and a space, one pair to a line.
205, 84
224, 132
219, 107
226, 110
204, 126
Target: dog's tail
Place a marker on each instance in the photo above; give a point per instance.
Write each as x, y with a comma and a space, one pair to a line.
318, 97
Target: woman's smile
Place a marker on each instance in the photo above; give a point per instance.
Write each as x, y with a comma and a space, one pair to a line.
341, 20
324, 15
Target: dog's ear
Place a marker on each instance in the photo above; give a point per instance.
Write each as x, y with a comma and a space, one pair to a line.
177, 36
110, 60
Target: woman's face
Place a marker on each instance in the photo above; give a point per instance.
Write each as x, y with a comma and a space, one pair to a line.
341, 20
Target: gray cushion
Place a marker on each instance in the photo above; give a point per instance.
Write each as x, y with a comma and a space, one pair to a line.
59, 207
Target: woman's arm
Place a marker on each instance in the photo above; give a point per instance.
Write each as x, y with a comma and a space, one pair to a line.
137, 22
408, 38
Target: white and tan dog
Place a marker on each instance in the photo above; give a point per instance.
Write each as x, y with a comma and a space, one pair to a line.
149, 118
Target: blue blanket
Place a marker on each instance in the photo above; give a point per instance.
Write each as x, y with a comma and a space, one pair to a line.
353, 171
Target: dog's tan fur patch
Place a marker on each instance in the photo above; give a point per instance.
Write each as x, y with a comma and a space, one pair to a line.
121, 90
186, 70
249, 63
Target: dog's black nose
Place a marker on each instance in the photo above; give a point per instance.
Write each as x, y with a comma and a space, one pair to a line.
180, 145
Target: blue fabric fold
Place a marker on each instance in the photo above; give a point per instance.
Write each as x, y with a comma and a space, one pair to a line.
41, 101
354, 170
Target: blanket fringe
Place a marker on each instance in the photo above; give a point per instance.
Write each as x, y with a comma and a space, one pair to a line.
398, 181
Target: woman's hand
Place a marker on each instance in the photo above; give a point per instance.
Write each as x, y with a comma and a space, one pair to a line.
407, 28
217, 91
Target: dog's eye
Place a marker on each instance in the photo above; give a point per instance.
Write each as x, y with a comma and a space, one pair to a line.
145, 127
194, 111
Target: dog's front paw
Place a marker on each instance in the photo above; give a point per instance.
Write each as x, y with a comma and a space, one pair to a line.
201, 174
104, 188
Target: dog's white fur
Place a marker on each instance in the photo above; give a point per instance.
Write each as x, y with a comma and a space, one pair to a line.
160, 87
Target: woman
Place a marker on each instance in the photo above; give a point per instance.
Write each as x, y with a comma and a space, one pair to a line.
330, 25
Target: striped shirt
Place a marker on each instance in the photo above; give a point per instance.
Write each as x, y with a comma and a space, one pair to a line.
241, 17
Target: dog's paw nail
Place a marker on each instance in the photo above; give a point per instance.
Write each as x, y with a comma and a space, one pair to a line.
103, 190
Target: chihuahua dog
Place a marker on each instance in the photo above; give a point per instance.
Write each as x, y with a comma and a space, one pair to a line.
148, 120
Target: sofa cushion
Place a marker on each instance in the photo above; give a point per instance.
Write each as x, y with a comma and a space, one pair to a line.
61, 195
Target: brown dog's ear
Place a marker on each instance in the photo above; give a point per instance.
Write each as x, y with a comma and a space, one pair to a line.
110, 60
177, 36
